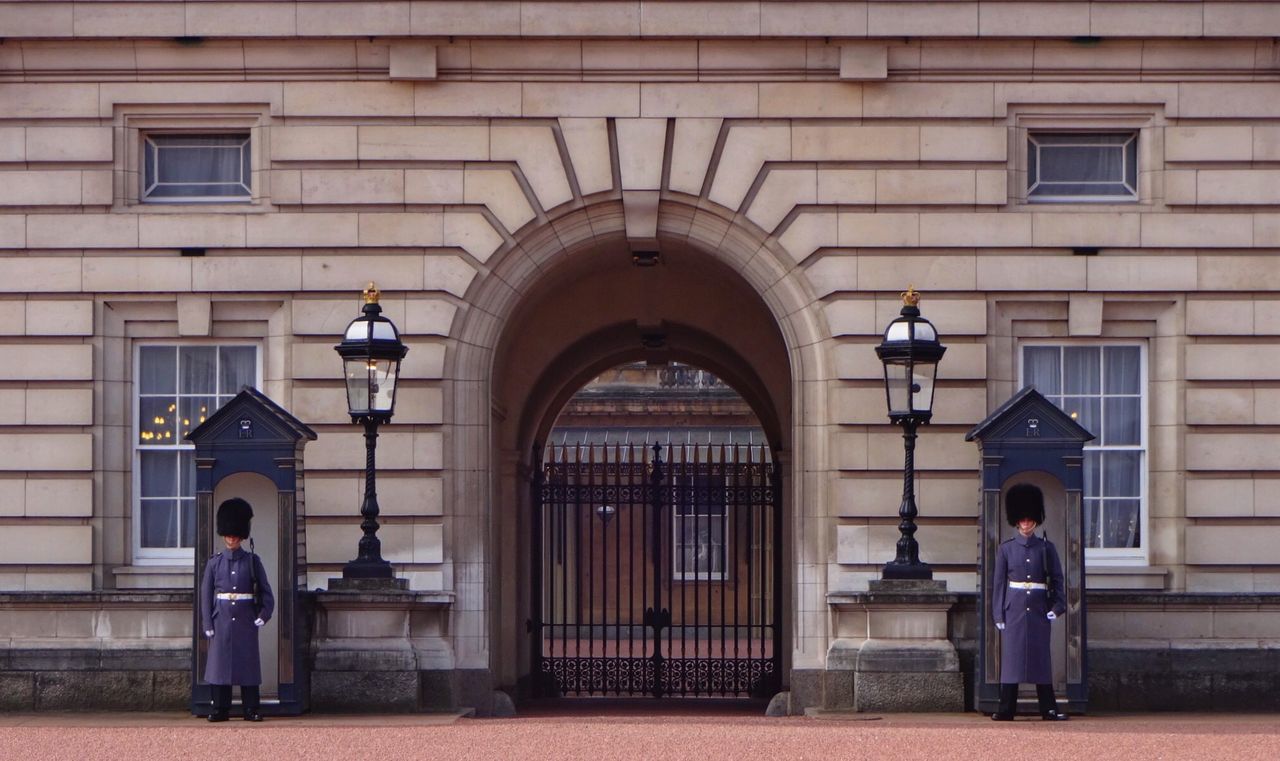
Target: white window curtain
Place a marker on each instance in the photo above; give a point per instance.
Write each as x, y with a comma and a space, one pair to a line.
1082, 166
1101, 388
196, 167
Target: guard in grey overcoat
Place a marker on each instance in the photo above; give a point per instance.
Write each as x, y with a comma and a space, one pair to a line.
1026, 598
231, 616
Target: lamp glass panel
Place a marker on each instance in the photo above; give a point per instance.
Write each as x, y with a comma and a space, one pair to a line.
358, 379
358, 330
922, 376
384, 331
925, 331
897, 375
898, 331
382, 384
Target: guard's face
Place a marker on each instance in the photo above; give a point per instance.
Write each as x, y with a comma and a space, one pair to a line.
1026, 526
232, 542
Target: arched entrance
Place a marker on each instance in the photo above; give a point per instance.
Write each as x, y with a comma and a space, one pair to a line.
568, 302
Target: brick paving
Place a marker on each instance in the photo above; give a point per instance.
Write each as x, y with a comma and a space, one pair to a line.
637, 733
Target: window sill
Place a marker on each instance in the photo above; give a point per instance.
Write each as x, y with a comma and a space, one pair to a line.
154, 577
257, 206
1126, 577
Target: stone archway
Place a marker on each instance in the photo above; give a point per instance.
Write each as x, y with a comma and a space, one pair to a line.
564, 301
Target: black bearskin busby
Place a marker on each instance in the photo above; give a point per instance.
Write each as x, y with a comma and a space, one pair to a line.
1024, 501
233, 518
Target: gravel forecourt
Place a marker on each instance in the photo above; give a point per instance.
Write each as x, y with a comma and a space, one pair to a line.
636, 734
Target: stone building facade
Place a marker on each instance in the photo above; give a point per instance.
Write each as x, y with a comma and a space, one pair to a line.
494, 166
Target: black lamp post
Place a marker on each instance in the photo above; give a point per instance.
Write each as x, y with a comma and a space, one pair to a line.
910, 352
371, 351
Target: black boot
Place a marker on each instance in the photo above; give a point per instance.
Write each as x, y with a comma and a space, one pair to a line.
221, 702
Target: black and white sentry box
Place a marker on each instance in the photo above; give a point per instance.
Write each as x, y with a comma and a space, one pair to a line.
1029, 440
252, 448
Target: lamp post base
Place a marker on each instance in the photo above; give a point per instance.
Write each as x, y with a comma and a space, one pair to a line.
914, 571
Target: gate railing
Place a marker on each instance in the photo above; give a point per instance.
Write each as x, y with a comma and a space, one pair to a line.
657, 570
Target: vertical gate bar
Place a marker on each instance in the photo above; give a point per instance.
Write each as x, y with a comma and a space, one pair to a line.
591, 565
605, 478
737, 576
631, 564
657, 572
535, 625
750, 560
706, 509
671, 504
562, 520
577, 562
553, 456
617, 568
644, 557
695, 477
724, 561
777, 572
763, 555
676, 543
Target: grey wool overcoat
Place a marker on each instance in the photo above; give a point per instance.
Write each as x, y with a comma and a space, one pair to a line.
233, 652
1024, 643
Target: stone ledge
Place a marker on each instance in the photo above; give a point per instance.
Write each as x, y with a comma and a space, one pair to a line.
355, 599
76, 659
845, 599
1123, 598
167, 599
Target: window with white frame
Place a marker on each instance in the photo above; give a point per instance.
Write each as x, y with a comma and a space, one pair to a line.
1082, 166
1102, 387
700, 522
177, 388
191, 167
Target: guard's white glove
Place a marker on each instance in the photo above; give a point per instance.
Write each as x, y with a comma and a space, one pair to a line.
208, 633
1051, 615
259, 622
1000, 626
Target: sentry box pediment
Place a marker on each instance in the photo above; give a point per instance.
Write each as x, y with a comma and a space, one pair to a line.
1029, 419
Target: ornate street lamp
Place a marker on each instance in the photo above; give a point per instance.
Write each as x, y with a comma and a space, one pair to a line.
371, 351
910, 352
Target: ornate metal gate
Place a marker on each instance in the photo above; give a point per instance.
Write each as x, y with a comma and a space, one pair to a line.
658, 571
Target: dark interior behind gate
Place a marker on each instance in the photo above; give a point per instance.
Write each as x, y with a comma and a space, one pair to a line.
658, 571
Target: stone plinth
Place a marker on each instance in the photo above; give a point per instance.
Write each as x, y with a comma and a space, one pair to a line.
892, 653
381, 648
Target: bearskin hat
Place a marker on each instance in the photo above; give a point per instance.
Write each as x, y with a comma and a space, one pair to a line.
233, 518
1024, 501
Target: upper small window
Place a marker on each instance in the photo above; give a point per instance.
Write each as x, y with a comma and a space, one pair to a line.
1082, 166
196, 168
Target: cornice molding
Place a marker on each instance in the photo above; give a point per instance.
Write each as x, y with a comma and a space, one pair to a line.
638, 19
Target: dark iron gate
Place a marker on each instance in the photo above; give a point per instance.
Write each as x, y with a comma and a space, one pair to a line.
658, 571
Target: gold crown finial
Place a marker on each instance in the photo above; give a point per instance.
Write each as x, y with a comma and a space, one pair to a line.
910, 297
371, 294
